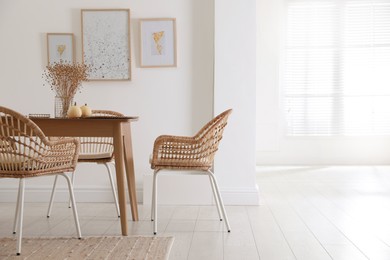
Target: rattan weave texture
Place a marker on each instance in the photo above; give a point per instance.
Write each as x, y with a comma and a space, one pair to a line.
197, 152
26, 152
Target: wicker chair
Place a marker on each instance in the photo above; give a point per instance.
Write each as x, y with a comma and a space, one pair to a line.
25, 152
96, 150
195, 154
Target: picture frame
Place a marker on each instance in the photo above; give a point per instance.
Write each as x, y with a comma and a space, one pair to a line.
106, 43
60, 48
158, 42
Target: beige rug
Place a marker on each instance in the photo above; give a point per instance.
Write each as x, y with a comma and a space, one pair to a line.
88, 248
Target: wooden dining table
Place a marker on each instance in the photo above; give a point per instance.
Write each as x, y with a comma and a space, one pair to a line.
117, 127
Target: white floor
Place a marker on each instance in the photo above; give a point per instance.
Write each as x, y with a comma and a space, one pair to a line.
308, 213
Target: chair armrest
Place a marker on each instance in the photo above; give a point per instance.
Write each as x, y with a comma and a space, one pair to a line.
63, 152
170, 147
174, 139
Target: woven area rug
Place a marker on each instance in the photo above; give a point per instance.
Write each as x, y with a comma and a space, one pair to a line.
88, 248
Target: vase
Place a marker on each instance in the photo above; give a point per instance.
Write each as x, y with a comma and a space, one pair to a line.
61, 106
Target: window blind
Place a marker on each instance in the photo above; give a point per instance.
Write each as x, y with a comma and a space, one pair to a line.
336, 78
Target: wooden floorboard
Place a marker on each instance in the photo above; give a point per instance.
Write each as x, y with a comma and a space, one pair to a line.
307, 213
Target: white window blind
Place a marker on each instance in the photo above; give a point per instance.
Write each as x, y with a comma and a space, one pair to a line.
336, 78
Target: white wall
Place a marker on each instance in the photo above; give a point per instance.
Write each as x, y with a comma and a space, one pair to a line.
235, 87
273, 147
167, 100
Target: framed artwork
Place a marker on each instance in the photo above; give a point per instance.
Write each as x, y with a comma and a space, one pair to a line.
158, 42
106, 43
60, 48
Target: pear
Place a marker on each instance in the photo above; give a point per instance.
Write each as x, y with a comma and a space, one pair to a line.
74, 111
86, 111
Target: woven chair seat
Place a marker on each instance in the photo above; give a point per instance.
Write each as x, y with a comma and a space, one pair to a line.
181, 164
95, 156
18, 165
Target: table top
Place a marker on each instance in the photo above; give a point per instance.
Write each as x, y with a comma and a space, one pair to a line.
132, 118
83, 126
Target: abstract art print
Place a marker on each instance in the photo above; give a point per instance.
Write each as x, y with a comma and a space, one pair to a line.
60, 48
158, 42
106, 43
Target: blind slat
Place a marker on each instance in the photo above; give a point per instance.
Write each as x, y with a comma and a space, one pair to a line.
336, 70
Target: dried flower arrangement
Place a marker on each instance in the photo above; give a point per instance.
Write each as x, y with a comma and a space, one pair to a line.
65, 80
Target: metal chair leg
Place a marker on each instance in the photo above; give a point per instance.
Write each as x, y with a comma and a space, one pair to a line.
154, 202
211, 174
113, 189
52, 197
73, 177
20, 217
153, 205
75, 215
215, 197
16, 211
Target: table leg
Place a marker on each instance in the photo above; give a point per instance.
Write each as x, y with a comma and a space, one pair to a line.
129, 164
120, 176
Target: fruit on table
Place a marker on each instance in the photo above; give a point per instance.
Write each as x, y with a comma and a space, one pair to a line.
74, 111
86, 111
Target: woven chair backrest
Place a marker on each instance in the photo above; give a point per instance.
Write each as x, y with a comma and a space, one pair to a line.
99, 145
209, 137
22, 143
